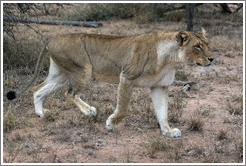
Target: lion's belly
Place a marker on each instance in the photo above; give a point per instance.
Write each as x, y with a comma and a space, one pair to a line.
163, 78
106, 77
167, 79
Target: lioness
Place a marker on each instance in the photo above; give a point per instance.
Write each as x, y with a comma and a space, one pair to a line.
147, 60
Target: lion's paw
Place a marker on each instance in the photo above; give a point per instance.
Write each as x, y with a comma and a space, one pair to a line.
93, 111
46, 110
109, 125
41, 113
173, 133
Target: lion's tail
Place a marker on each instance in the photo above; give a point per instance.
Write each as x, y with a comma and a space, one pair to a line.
14, 94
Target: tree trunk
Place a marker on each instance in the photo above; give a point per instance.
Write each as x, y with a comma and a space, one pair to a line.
189, 9
225, 8
46, 9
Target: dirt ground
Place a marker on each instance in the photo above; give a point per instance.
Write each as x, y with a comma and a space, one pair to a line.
210, 115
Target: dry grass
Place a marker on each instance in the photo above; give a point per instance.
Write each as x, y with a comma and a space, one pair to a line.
198, 150
210, 157
238, 144
195, 123
84, 137
222, 43
176, 107
206, 154
154, 144
12, 153
12, 120
222, 135
235, 105
128, 156
9, 121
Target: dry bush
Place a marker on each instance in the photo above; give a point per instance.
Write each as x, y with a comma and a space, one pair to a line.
128, 156
195, 123
84, 138
176, 107
238, 120
177, 16
238, 143
198, 150
224, 43
140, 12
214, 12
20, 10
205, 113
14, 119
207, 155
22, 52
97, 11
211, 157
33, 149
9, 121
63, 136
235, 105
13, 149
222, 135
155, 143
73, 121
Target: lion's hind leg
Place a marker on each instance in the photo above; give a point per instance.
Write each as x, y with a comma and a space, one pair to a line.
85, 108
55, 80
77, 83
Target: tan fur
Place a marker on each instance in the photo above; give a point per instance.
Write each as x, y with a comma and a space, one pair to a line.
108, 56
147, 60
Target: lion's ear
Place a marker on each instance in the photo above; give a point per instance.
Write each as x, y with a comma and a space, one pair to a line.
202, 32
182, 38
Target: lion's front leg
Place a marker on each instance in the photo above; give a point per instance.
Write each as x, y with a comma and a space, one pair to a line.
159, 97
123, 100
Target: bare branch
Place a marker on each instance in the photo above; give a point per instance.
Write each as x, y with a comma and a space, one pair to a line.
53, 22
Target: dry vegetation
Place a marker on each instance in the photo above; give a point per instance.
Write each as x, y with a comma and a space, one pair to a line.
210, 115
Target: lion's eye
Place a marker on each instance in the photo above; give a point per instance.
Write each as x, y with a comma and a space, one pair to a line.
198, 46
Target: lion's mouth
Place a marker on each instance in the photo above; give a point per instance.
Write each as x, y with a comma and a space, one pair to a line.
199, 64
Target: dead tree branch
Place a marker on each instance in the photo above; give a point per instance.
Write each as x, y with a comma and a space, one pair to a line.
53, 22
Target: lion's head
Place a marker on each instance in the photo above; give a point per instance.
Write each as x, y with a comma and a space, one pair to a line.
195, 46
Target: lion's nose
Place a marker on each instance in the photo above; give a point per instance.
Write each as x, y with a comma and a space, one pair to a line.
211, 59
